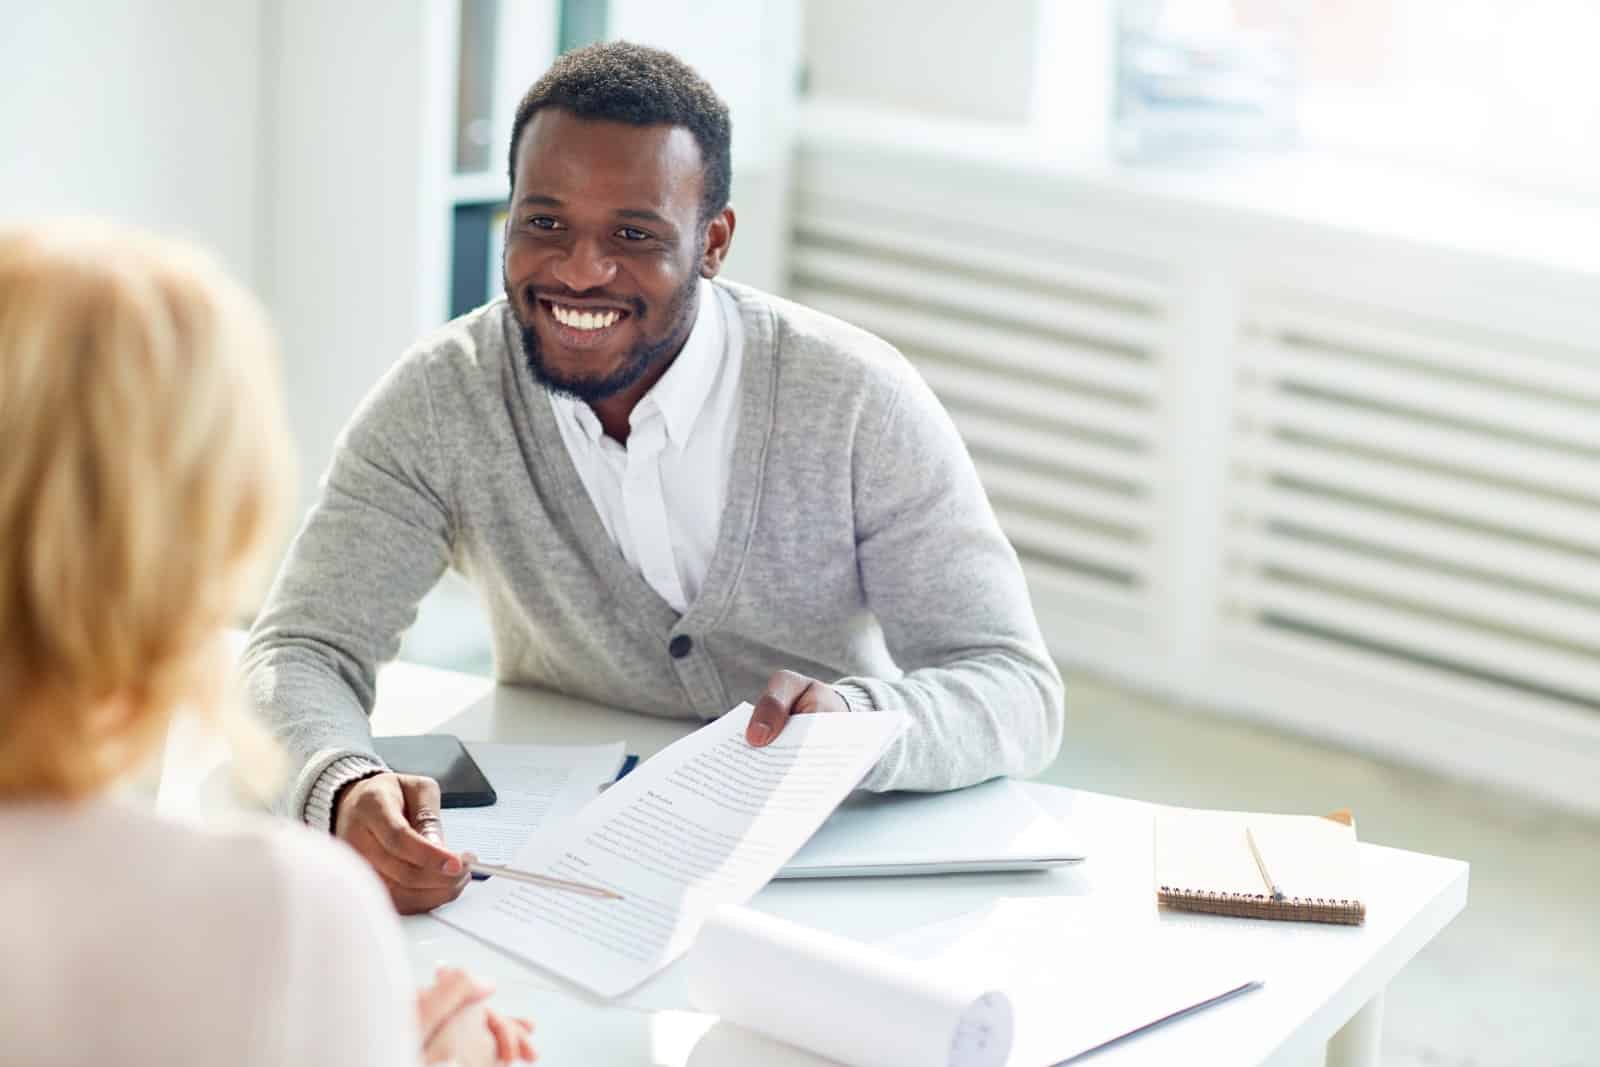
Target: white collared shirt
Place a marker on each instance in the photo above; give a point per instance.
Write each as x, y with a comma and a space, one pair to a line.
661, 496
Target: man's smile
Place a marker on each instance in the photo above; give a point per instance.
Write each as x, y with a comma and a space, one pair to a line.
583, 326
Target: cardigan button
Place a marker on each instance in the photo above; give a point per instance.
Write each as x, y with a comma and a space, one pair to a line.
680, 646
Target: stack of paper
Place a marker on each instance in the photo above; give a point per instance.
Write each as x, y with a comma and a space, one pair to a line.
534, 785
705, 823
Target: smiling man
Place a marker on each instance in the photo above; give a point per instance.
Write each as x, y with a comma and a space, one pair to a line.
673, 494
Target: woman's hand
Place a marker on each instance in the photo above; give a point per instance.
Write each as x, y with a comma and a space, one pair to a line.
511, 1037
452, 1031
458, 1028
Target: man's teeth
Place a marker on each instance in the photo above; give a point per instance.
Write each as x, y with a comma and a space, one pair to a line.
584, 320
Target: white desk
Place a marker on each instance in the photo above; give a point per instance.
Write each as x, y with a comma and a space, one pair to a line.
1324, 984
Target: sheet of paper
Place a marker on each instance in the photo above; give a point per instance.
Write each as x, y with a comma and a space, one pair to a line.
851, 1002
533, 784
703, 823
1076, 983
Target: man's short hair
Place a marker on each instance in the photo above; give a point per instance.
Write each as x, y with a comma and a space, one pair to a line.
622, 82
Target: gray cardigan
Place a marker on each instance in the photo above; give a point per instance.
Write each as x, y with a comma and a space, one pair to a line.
856, 546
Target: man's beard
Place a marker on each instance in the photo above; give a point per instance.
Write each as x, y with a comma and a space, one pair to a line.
638, 360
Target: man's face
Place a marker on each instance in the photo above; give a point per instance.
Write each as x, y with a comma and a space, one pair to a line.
604, 247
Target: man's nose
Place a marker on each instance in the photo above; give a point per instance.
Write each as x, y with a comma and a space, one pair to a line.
585, 266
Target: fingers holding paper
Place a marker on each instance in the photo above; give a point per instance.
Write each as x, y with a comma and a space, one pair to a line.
788, 694
393, 821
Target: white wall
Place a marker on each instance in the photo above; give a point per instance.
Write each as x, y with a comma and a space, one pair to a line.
286, 135
969, 61
356, 202
141, 110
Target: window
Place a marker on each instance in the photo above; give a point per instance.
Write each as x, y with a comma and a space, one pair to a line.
1503, 89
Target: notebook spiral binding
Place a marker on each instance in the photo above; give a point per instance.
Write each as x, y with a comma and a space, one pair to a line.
1261, 906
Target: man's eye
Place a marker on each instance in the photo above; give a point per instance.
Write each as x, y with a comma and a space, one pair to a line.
628, 233
543, 222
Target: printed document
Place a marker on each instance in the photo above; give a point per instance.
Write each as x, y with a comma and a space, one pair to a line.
704, 823
533, 784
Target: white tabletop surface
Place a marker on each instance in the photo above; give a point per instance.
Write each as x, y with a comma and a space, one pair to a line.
1316, 976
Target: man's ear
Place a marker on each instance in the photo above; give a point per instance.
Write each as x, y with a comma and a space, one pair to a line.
719, 238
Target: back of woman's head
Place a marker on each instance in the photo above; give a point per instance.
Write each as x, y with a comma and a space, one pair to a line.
143, 470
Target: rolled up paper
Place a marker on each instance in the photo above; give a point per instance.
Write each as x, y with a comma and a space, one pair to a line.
842, 999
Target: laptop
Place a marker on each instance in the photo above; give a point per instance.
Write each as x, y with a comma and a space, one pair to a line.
995, 826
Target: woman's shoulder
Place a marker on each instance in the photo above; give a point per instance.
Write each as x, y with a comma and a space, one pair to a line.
168, 918
325, 888
297, 855
306, 877
246, 865
225, 840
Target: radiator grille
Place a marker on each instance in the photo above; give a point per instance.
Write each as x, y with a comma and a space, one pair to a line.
1050, 361
1420, 498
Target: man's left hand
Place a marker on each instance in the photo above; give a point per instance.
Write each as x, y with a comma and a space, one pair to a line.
787, 694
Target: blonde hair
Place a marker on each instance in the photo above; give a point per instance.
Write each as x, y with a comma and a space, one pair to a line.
144, 467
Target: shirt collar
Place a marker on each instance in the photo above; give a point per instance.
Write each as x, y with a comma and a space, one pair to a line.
681, 392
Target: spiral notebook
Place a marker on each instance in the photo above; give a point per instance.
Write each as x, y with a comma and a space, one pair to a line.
1259, 866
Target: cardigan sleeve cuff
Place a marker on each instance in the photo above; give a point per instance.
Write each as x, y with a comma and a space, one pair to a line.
318, 813
858, 696
855, 697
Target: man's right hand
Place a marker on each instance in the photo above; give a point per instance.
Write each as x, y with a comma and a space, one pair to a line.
393, 821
